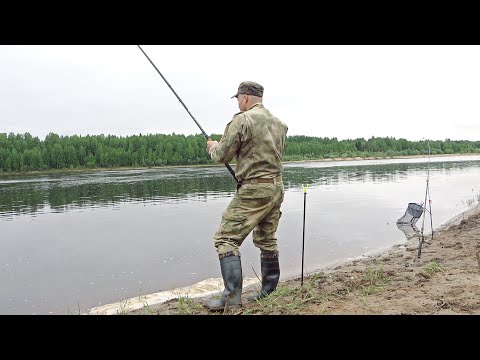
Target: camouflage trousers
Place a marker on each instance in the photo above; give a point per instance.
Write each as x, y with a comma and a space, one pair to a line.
254, 207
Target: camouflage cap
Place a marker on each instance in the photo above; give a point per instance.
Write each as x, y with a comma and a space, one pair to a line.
249, 88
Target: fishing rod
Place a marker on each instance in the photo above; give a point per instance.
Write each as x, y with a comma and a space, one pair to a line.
427, 192
178, 97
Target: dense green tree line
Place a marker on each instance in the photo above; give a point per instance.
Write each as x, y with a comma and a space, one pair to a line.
23, 152
306, 147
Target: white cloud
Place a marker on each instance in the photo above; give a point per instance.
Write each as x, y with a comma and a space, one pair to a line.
413, 92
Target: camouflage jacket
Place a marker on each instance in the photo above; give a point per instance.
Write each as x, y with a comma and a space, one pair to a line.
257, 139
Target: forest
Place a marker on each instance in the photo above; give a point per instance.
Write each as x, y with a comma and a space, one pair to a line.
24, 152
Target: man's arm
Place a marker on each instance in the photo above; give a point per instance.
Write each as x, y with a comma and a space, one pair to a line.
225, 150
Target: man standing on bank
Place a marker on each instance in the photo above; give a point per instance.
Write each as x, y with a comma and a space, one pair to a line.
257, 139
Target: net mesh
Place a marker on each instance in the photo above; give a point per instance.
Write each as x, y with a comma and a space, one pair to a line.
408, 229
412, 214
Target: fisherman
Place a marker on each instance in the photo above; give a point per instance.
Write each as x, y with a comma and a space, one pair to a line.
257, 139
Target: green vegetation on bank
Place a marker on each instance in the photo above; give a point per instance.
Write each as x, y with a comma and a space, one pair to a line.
23, 152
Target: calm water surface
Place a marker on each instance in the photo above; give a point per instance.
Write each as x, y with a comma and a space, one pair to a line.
75, 241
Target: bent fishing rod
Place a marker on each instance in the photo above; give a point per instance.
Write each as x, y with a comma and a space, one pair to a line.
178, 97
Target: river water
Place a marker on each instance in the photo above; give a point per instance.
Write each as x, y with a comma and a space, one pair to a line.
70, 242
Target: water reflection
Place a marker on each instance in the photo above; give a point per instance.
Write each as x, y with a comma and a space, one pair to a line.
408, 229
325, 173
60, 192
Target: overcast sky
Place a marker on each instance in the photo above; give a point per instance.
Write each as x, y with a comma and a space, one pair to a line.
413, 92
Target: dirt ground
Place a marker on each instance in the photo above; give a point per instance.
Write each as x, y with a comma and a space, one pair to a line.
444, 280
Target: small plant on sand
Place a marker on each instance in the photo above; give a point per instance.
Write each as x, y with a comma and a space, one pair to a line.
250, 312
148, 310
79, 312
187, 306
376, 278
320, 277
123, 307
141, 295
277, 298
432, 267
287, 299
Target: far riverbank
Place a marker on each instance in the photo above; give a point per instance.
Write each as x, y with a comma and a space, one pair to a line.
126, 168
